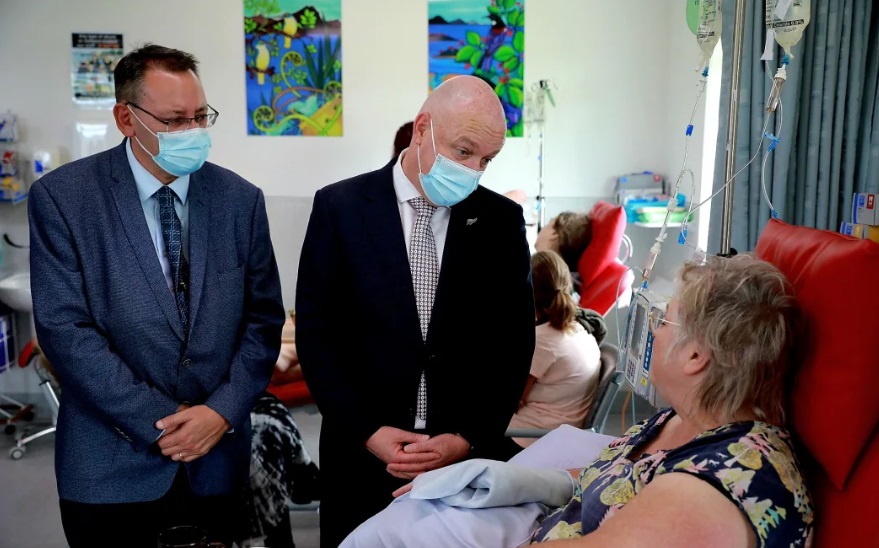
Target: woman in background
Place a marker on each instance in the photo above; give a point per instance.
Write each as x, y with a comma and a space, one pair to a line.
566, 365
568, 234
717, 468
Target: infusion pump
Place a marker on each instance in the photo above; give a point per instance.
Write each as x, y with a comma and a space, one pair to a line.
637, 350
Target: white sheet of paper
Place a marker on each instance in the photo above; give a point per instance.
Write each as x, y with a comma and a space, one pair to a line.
769, 48
781, 8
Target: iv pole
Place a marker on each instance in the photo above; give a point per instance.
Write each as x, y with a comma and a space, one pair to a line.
732, 130
545, 93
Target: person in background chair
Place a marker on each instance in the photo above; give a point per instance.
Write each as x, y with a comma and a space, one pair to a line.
281, 470
402, 139
718, 468
157, 299
567, 362
568, 234
433, 368
281, 473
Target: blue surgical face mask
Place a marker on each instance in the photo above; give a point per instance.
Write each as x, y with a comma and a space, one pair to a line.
448, 182
180, 152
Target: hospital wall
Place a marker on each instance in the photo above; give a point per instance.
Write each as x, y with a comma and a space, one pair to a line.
622, 71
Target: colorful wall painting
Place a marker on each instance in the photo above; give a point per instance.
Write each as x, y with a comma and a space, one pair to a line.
484, 38
293, 67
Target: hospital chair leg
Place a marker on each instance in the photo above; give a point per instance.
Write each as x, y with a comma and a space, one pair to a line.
19, 450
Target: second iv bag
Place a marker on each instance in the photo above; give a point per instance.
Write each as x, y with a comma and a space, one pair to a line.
692, 13
788, 19
708, 32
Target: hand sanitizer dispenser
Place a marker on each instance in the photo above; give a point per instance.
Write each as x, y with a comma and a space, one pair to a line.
44, 161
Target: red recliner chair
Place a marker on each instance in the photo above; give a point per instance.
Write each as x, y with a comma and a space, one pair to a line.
600, 268
833, 404
289, 386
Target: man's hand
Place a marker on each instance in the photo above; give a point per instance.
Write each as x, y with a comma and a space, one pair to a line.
191, 432
168, 429
445, 449
387, 444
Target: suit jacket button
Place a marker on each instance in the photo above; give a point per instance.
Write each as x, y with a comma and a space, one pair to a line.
187, 362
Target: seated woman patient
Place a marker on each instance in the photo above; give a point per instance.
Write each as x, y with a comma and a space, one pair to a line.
718, 467
568, 234
566, 363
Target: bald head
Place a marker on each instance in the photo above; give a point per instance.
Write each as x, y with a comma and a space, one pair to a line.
468, 98
463, 120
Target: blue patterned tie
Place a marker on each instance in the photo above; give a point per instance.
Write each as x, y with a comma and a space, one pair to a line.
172, 234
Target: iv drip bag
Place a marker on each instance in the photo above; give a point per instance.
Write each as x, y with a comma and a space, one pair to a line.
788, 19
708, 32
693, 15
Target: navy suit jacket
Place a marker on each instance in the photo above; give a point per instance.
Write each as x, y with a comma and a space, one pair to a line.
357, 330
109, 325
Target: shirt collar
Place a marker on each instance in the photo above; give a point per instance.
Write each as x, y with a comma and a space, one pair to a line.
402, 185
146, 182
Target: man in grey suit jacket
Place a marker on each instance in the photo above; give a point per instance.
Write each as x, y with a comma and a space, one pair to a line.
158, 301
437, 267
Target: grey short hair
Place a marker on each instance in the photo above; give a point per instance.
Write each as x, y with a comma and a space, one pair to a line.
742, 311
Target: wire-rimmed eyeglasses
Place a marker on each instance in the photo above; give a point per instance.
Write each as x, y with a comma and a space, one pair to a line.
656, 318
181, 124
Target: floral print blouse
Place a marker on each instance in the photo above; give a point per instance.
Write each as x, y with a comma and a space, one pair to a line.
751, 463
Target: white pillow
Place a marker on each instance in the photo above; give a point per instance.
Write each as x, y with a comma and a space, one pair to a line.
431, 524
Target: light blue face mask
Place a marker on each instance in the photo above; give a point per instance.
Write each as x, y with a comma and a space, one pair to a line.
448, 182
180, 152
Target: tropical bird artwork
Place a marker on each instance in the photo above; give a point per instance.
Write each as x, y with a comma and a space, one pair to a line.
289, 30
293, 67
495, 39
263, 57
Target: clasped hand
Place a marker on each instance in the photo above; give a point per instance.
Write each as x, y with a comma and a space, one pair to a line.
408, 454
191, 432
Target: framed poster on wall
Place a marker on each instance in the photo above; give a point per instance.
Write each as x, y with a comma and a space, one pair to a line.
94, 57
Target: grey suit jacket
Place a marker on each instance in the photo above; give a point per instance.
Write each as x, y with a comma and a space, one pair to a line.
108, 323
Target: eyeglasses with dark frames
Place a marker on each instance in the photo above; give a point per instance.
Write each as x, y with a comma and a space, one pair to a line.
182, 124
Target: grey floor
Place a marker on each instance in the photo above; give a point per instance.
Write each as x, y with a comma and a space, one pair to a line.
29, 516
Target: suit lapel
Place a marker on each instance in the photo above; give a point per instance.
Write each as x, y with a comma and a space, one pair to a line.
458, 230
131, 216
381, 218
200, 202
454, 234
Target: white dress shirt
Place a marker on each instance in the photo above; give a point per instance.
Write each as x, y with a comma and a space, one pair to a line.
439, 223
405, 190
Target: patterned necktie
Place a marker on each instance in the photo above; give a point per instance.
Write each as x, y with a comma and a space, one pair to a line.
172, 234
425, 275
